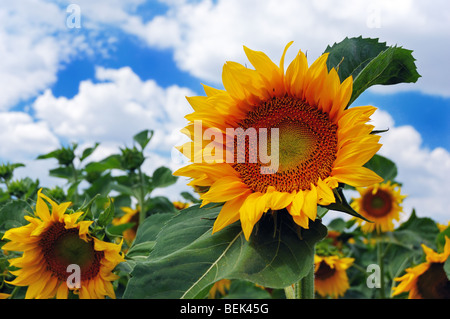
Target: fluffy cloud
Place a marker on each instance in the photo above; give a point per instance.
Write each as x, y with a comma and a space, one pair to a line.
203, 34
34, 42
115, 108
21, 138
423, 172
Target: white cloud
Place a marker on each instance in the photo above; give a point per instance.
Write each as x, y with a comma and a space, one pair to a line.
21, 138
424, 173
204, 34
34, 41
116, 108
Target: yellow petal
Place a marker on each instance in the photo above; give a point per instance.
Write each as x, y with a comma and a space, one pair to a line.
324, 193
42, 210
295, 75
302, 220
225, 189
357, 176
297, 204
251, 211
310, 205
230, 212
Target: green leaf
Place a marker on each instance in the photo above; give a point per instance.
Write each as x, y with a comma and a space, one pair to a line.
392, 66
151, 226
342, 205
383, 166
106, 216
162, 177
440, 239
351, 55
370, 62
187, 259
142, 138
447, 268
12, 214
417, 230
117, 230
146, 235
111, 162
240, 289
160, 204
88, 151
189, 197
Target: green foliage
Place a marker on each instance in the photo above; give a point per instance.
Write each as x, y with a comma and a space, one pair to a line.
187, 259
370, 62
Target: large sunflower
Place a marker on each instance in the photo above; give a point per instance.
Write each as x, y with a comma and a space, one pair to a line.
320, 142
50, 243
427, 280
330, 275
381, 204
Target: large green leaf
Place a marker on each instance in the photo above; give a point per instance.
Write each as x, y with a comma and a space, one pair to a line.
187, 259
370, 62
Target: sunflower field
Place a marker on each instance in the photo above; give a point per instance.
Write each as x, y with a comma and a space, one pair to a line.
246, 230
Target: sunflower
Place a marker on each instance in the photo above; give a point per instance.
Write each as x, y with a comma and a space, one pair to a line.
381, 204
427, 280
131, 216
330, 275
52, 243
180, 205
300, 117
220, 287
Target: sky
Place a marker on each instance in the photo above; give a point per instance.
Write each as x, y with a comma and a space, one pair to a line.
101, 71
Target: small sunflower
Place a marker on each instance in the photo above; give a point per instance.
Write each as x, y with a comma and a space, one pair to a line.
381, 204
131, 216
320, 142
50, 243
220, 287
330, 275
180, 205
427, 280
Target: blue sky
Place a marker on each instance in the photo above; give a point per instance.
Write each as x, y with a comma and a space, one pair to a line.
131, 64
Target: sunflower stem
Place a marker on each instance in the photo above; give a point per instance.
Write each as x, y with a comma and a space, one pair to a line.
141, 198
304, 288
380, 256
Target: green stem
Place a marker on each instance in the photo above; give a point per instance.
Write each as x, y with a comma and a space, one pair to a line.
304, 289
141, 198
75, 177
380, 256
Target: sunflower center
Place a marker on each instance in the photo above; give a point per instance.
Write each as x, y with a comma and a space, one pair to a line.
324, 271
378, 204
62, 247
433, 283
307, 145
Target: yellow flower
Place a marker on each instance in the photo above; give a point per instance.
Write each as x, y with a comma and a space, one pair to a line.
130, 216
443, 227
52, 242
381, 204
330, 275
427, 280
180, 205
222, 286
320, 143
